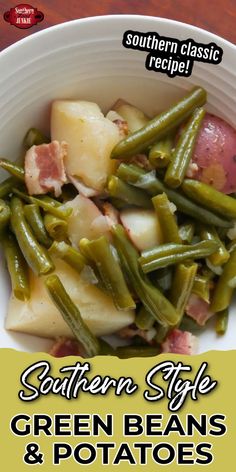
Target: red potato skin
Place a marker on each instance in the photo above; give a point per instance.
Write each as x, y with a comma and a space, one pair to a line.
215, 154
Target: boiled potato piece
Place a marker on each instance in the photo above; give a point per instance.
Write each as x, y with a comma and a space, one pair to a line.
40, 317
86, 220
142, 227
135, 118
90, 138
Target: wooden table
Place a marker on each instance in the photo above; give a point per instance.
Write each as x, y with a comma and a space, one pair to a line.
217, 16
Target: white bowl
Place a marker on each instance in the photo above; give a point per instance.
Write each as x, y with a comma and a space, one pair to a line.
85, 59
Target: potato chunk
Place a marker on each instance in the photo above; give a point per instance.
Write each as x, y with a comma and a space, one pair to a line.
90, 138
40, 317
142, 227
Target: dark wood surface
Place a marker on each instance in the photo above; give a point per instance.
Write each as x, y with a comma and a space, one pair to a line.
217, 16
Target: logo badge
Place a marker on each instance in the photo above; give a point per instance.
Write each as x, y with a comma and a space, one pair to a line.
23, 16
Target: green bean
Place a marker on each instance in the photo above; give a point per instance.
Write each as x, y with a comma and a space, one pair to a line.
13, 169
201, 287
160, 153
57, 228
224, 288
68, 254
126, 352
35, 255
161, 334
72, 316
86, 253
186, 232
118, 203
210, 198
106, 349
170, 254
129, 194
34, 137
35, 220
183, 151
221, 255
5, 215
110, 272
153, 300
17, 268
160, 126
149, 182
47, 205
51, 201
6, 187
190, 325
166, 219
144, 319
182, 286
222, 321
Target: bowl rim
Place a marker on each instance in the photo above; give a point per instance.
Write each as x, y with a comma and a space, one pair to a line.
116, 18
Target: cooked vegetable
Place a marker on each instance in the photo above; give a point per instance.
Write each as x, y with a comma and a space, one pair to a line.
171, 253
201, 287
134, 117
110, 272
35, 220
13, 169
160, 126
90, 138
39, 315
132, 256
17, 267
35, 255
144, 319
153, 300
5, 214
129, 194
142, 227
47, 204
225, 286
72, 316
166, 219
214, 154
160, 153
85, 221
182, 286
222, 319
68, 254
210, 198
126, 352
221, 255
34, 137
183, 151
6, 187
153, 185
57, 228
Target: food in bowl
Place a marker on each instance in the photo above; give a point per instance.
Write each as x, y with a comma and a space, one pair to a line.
122, 224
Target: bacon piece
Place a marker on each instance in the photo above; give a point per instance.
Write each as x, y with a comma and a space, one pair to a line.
198, 309
66, 347
44, 168
180, 342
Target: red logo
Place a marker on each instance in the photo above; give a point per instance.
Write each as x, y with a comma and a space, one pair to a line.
23, 16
